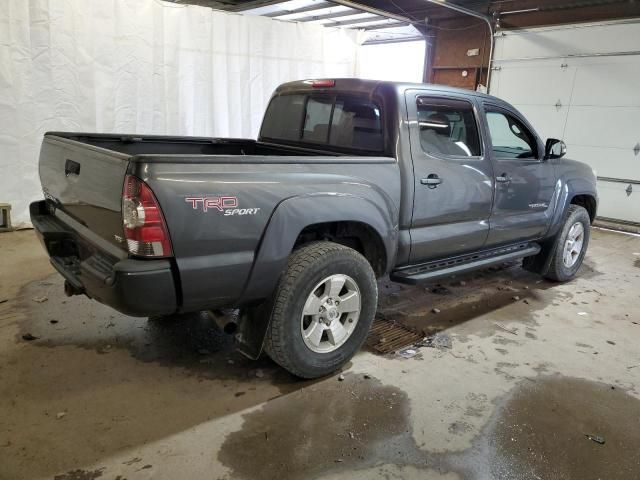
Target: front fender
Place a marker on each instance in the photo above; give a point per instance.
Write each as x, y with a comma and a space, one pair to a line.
292, 215
576, 178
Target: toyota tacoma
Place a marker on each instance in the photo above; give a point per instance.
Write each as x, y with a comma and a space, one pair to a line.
349, 180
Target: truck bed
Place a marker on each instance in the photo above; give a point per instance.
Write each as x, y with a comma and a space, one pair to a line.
83, 175
130, 145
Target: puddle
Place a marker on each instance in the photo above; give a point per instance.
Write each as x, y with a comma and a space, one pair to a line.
540, 432
331, 426
190, 341
114, 377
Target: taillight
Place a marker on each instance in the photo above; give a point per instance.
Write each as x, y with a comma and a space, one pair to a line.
144, 227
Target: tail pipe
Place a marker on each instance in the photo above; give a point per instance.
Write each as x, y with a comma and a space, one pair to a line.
70, 290
227, 323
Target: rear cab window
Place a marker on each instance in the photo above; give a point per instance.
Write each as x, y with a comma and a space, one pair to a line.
339, 122
448, 127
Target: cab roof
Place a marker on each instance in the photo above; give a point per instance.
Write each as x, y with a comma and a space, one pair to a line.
358, 85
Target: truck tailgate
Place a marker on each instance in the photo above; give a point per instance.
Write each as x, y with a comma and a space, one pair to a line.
86, 183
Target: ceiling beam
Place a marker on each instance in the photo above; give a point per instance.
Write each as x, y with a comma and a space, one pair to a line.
310, 8
414, 38
375, 11
386, 25
241, 7
348, 23
461, 9
329, 15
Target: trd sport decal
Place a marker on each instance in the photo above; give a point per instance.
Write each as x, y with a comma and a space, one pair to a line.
227, 205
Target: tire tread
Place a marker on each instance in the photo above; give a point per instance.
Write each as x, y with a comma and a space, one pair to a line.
554, 273
299, 262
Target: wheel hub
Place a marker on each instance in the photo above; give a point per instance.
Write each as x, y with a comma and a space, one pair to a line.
573, 245
330, 313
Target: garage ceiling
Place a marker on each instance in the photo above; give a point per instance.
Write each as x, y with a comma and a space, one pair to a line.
418, 10
413, 19
385, 21
397, 6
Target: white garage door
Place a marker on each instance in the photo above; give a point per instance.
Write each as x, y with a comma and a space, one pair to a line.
581, 83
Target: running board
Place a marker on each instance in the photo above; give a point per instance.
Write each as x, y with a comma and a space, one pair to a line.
456, 265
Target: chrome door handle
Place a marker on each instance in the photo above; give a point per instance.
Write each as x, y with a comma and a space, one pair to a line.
431, 181
504, 178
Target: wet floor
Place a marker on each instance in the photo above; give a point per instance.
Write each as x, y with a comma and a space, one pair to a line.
548, 428
335, 425
530, 369
435, 307
566, 428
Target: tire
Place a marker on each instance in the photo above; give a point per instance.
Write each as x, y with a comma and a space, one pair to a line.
292, 339
561, 269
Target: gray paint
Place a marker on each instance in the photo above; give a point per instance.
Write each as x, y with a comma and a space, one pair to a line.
223, 260
454, 216
216, 255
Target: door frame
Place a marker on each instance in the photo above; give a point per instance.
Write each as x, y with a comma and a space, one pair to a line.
491, 105
411, 97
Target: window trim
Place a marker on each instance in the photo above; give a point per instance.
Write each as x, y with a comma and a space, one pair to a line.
474, 112
493, 108
326, 145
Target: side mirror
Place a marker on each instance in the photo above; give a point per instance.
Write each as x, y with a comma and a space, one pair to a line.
554, 148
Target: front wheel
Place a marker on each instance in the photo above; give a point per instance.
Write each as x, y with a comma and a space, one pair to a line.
323, 308
571, 245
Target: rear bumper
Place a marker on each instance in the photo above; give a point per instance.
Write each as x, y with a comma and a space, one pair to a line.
134, 287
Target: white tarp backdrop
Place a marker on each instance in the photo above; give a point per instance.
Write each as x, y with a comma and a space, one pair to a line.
143, 66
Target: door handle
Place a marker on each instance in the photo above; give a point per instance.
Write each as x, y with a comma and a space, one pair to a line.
504, 178
432, 181
71, 168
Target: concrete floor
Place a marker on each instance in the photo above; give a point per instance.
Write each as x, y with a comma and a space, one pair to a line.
533, 368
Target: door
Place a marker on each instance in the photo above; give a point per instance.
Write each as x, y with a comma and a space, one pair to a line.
452, 175
524, 182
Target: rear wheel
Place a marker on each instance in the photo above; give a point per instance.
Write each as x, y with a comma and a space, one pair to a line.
323, 308
571, 245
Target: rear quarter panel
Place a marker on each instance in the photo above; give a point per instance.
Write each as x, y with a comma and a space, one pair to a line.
215, 248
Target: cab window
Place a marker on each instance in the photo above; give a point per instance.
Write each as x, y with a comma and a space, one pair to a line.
317, 119
343, 122
448, 127
509, 137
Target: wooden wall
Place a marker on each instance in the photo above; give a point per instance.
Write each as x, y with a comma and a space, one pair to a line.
454, 60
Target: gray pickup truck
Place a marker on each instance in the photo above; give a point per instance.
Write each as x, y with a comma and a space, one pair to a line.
350, 180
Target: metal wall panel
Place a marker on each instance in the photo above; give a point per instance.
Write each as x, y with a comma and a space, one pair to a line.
617, 203
565, 40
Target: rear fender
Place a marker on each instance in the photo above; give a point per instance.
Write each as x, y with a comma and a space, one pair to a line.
288, 220
292, 215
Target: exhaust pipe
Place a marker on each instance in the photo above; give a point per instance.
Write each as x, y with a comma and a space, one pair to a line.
70, 290
225, 322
